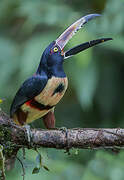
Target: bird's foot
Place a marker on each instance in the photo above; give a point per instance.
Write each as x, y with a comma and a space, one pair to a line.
29, 134
65, 130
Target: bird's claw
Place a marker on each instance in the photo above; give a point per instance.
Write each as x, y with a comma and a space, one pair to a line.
65, 130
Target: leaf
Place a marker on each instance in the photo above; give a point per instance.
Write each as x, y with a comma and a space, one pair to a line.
76, 151
39, 164
46, 168
36, 170
39, 160
1, 101
1, 148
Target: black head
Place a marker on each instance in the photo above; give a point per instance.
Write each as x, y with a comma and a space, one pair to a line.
53, 54
52, 61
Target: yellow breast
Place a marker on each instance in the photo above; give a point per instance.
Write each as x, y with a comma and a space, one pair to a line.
51, 95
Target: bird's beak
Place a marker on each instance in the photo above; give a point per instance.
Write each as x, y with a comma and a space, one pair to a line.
70, 32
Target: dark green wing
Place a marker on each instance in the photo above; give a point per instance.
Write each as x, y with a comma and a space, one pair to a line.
28, 90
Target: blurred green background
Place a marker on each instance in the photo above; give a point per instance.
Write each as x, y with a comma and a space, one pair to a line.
95, 96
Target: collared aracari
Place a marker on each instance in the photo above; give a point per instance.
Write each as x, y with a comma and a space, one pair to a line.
39, 94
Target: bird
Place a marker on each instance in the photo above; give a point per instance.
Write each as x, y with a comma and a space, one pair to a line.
39, 94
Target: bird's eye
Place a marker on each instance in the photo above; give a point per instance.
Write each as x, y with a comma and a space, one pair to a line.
55, 49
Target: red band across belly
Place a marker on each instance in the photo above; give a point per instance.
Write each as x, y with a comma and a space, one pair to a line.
36, 105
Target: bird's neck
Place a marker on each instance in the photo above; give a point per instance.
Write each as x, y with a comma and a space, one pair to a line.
55, 70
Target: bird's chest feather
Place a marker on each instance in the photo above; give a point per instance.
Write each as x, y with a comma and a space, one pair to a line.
53, 91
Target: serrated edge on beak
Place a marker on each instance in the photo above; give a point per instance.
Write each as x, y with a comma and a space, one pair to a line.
63, 39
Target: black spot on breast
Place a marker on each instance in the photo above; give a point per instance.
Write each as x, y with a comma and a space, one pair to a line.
59, 89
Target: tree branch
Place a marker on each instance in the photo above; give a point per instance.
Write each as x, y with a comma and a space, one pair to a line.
83, 138
60, 138
78, 138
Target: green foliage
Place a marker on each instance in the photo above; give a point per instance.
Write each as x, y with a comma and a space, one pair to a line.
95, 95
2, 163
39, 164
105, 166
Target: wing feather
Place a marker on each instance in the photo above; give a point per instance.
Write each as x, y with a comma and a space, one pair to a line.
28, 90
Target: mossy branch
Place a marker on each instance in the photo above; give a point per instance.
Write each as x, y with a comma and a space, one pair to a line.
13, 137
